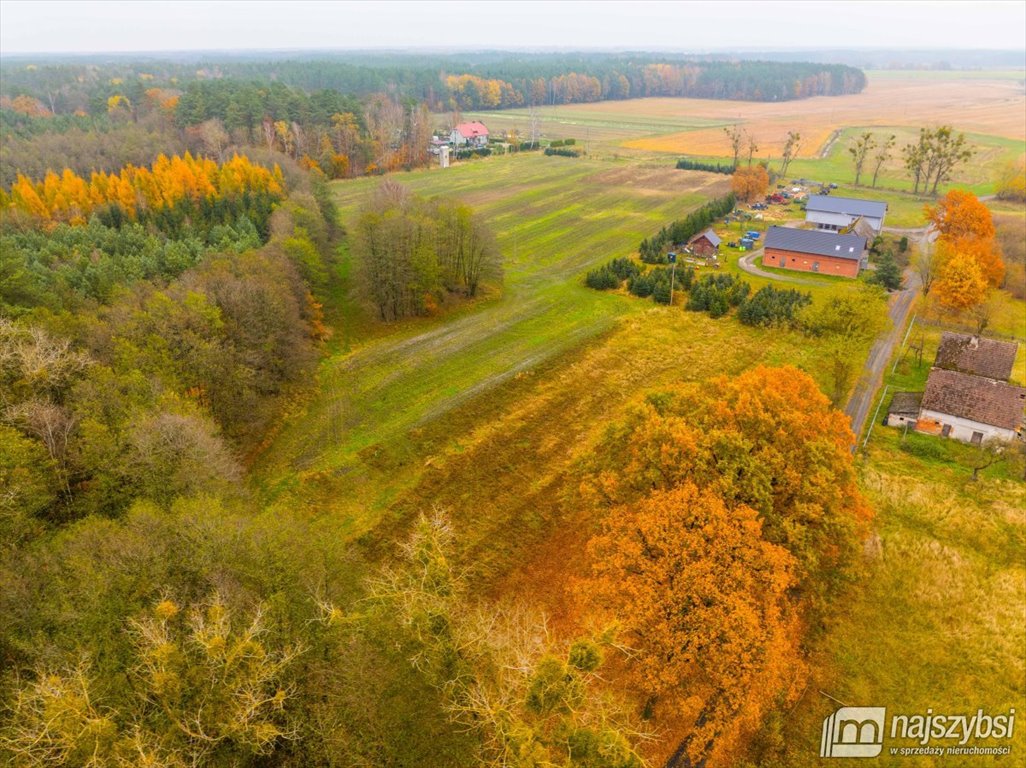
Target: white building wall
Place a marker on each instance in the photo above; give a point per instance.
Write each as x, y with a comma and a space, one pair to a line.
840, 220
962, 429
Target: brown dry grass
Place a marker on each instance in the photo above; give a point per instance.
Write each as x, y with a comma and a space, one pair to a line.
993, 107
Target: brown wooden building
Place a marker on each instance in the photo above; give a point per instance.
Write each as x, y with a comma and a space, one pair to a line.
705, 243
807, 250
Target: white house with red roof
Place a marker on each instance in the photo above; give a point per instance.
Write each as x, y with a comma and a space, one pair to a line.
469, 134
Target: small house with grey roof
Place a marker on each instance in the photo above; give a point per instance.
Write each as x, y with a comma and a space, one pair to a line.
839, 213
810, 250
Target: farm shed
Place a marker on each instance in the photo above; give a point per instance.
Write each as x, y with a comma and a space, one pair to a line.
970, 408
976, 355
705, 243
469, 135
904, 409
834, 213
808, 250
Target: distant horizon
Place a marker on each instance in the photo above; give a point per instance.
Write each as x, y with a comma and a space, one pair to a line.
106, 27
908, 52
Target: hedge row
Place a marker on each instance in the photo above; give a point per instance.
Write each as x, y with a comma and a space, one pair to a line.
694, 165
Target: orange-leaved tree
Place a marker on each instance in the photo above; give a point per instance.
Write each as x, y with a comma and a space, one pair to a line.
768, 439
750, 183
961, 284
69, 198
700, 597
960, 214
966, 229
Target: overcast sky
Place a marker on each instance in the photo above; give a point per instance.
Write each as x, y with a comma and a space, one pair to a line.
106, 26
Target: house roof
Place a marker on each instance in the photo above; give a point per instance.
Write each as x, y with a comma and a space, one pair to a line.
905, 402
862, 228
709, 235
470, 130
973, 354
851, 206
816, 242
979, 399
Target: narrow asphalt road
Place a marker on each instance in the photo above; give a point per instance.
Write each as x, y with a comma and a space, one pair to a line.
880, 353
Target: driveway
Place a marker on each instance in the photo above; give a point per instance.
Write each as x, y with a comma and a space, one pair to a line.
746, 264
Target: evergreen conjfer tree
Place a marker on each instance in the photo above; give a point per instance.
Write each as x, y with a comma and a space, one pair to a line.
888, 273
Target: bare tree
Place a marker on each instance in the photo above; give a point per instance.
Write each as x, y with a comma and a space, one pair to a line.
790, 150
752, 147
214, 137
736, 137
925, 265
883, 154
859, 150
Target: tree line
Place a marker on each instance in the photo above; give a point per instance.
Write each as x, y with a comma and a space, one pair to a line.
467, 81
166, 193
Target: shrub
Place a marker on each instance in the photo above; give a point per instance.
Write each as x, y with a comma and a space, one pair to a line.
716, 294
602, 279
640, 286
610, 275
772, 306
903, 244
562, 152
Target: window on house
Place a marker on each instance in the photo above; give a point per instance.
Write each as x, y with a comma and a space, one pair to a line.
945, 430
977, 438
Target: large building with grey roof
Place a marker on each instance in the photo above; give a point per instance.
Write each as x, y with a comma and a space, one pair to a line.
810, 250
836, 213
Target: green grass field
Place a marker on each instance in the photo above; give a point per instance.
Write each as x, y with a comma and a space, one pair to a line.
555, 218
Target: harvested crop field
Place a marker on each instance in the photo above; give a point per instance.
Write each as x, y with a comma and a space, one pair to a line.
995, 107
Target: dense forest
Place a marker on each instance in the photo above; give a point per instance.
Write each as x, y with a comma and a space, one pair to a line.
470, 81
345, 116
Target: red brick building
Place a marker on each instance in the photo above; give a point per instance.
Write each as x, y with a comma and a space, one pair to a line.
807, 250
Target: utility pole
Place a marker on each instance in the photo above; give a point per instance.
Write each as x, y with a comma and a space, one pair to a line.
672, 258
